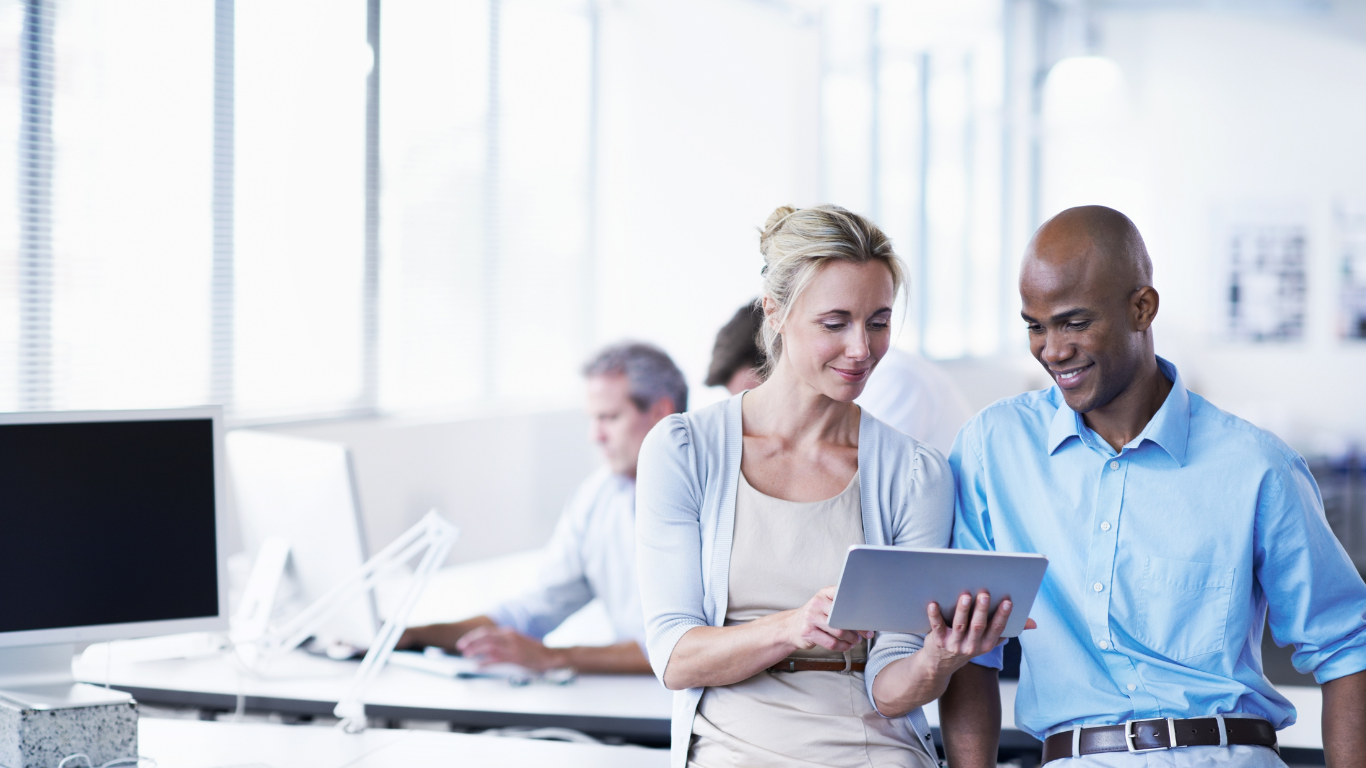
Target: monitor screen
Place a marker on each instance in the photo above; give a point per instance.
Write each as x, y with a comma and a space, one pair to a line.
107, 522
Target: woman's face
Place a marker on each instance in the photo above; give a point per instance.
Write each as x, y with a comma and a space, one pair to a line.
839, 328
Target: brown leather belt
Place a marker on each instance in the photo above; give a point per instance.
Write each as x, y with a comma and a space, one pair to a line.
814, 665
1160, 733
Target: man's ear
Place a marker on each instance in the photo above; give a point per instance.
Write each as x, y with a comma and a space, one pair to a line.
1144, 307
660, 408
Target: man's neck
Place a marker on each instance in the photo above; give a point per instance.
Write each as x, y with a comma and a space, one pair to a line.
1124, 418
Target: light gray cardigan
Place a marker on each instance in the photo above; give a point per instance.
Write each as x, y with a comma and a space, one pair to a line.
685, 517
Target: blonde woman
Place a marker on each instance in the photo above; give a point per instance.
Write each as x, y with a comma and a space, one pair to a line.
745, 511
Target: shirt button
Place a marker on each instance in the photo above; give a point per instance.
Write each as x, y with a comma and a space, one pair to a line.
1104, 645
1097, 586
1105, 526
1132, 687
1114, 465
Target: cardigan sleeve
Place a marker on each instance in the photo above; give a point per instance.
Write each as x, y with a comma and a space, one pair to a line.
669, 538
924, 520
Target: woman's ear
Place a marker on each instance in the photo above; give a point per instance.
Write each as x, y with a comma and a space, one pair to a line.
771, 313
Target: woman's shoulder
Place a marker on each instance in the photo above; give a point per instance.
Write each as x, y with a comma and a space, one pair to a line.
896, 451
702, 430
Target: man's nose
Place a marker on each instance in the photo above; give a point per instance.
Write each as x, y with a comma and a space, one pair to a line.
1055, 350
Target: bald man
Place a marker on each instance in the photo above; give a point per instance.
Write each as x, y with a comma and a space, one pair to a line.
1173, 530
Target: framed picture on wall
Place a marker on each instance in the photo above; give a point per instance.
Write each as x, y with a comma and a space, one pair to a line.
1266, 281
1351, 257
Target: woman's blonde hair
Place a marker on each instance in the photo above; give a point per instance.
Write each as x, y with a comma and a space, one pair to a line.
798, 242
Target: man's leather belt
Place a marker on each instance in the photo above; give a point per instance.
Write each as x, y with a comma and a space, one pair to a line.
1160, 733
816, 665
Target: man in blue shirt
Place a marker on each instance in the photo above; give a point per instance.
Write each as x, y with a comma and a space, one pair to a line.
1172, 529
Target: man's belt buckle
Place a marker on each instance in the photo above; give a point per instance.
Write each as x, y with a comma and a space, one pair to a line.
1129, 734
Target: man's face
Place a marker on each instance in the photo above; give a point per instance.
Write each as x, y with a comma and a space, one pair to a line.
743, 379
617, 425
1081, 321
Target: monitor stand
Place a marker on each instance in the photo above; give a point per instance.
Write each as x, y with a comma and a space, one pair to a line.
39, 677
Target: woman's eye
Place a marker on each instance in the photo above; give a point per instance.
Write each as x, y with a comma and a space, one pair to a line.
879, 326
835, 327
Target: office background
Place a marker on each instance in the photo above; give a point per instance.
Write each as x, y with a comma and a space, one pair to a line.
403, 224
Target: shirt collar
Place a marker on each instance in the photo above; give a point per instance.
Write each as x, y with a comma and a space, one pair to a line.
1169, 428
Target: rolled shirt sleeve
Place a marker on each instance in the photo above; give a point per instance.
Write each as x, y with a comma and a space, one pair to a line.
1315, 597
562, 585
972, 519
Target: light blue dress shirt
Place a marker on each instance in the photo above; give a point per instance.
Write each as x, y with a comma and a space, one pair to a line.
592, 554
1164, 559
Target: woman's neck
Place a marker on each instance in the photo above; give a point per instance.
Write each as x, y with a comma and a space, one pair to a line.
788, 408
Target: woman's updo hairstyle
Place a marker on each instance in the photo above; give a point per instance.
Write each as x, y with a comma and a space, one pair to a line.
798, 242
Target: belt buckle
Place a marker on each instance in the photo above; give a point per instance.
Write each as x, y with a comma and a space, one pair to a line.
1129, 734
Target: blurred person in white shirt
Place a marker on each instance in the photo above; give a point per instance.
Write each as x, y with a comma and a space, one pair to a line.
630, 388
906, 391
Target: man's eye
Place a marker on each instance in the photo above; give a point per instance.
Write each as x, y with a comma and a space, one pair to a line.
1078, 326
1034, 328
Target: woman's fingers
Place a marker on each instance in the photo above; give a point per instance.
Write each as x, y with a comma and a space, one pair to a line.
1031, 624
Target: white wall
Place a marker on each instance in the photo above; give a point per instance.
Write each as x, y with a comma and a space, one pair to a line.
1232, 112
709, 121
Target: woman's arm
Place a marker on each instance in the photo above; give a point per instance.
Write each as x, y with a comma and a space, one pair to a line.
708, 656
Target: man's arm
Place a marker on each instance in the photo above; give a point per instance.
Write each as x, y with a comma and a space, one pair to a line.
1344, 720
502, 644
444, 636
970, 717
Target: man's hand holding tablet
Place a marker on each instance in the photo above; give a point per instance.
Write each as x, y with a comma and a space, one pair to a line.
946, 595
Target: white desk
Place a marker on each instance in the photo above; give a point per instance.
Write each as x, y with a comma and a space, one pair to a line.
635, 707
195, 744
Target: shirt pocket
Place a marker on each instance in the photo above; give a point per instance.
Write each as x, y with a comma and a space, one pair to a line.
1183, 607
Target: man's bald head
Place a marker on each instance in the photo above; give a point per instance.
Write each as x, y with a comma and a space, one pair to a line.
1095, 242
1086, 287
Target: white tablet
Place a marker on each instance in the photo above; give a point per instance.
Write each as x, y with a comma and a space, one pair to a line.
888, 589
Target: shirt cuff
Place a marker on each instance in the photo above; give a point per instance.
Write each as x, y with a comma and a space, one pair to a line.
1348, 661
995, 658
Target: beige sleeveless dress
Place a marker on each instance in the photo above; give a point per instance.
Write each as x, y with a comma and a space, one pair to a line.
782, 553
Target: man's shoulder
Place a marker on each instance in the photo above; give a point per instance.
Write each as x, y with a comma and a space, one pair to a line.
1026, 412
598, 489
1216, 429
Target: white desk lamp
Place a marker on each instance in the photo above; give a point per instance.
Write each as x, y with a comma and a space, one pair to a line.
257, 644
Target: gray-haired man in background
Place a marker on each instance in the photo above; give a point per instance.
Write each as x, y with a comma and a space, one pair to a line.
630, 387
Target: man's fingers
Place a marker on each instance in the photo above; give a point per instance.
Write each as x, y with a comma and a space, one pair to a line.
936, 619
961, 616
977, 625
998, 625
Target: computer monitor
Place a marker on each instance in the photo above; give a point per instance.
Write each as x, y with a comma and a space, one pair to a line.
303, 491
113, 529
